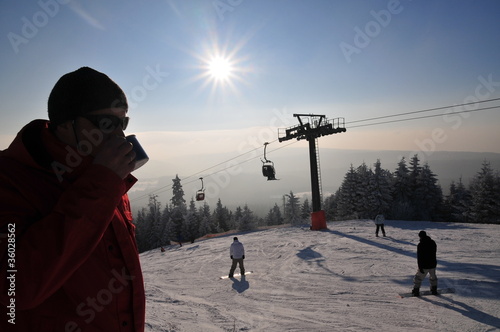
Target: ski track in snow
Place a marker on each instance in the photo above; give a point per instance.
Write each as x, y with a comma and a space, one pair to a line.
340, 279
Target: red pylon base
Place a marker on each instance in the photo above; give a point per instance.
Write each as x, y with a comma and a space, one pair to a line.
318, 220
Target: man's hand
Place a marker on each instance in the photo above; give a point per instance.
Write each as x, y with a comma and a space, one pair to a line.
117, 154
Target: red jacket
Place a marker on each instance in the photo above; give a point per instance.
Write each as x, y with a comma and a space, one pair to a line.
74, 265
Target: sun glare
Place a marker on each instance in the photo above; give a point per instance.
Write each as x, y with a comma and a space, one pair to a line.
219, 69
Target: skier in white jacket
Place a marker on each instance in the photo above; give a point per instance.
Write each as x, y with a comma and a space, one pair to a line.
237, 253
379, 221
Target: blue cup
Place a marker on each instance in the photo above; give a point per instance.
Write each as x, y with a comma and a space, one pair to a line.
140, 155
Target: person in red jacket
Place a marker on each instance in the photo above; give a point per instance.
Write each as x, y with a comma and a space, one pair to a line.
68, 255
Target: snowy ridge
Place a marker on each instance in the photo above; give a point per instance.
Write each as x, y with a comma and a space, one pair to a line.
341, 279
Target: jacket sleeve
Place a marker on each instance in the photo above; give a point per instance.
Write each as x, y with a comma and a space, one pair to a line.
49, 249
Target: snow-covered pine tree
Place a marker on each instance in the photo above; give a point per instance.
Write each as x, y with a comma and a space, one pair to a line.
178, 210
274, 217
458, 202
414, 171
347, 196
305, 210
206, 224
177, 216
381, 190
149, 226
191, 225
154, 214
401, 193
177, 199
485, 191
168, 229
292, 209
428, 197
141, 230
365, 204
236, 216
246, 222
221, 217
330, 206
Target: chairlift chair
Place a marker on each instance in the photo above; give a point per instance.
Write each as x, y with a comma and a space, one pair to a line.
268, 166
268, 170
200, 194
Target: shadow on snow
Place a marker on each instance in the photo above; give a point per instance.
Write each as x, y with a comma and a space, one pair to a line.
240, 285
464, 287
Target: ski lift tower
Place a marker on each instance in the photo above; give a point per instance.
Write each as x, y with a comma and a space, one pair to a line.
310, 128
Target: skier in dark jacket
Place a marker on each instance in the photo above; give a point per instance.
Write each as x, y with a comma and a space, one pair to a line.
426, 260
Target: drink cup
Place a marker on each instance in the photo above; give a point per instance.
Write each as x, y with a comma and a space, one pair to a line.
140, 155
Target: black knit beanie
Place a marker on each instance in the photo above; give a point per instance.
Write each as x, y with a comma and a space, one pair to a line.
82, 91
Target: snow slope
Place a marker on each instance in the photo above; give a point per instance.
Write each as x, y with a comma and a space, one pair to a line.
341, 279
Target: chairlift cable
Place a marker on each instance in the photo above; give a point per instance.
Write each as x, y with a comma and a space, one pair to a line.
421, 117
163, 189
159, 190
428, 110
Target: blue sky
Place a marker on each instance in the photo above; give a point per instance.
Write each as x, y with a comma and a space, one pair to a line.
353, 59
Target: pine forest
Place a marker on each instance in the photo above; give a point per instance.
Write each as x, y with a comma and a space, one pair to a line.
410, 192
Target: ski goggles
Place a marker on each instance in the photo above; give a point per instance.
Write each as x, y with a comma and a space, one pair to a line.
107, 122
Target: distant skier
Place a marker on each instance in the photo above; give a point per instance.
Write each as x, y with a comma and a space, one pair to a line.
379, 221
237, 253
427, 262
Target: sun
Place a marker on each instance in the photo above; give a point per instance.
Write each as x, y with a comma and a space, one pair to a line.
220, 68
